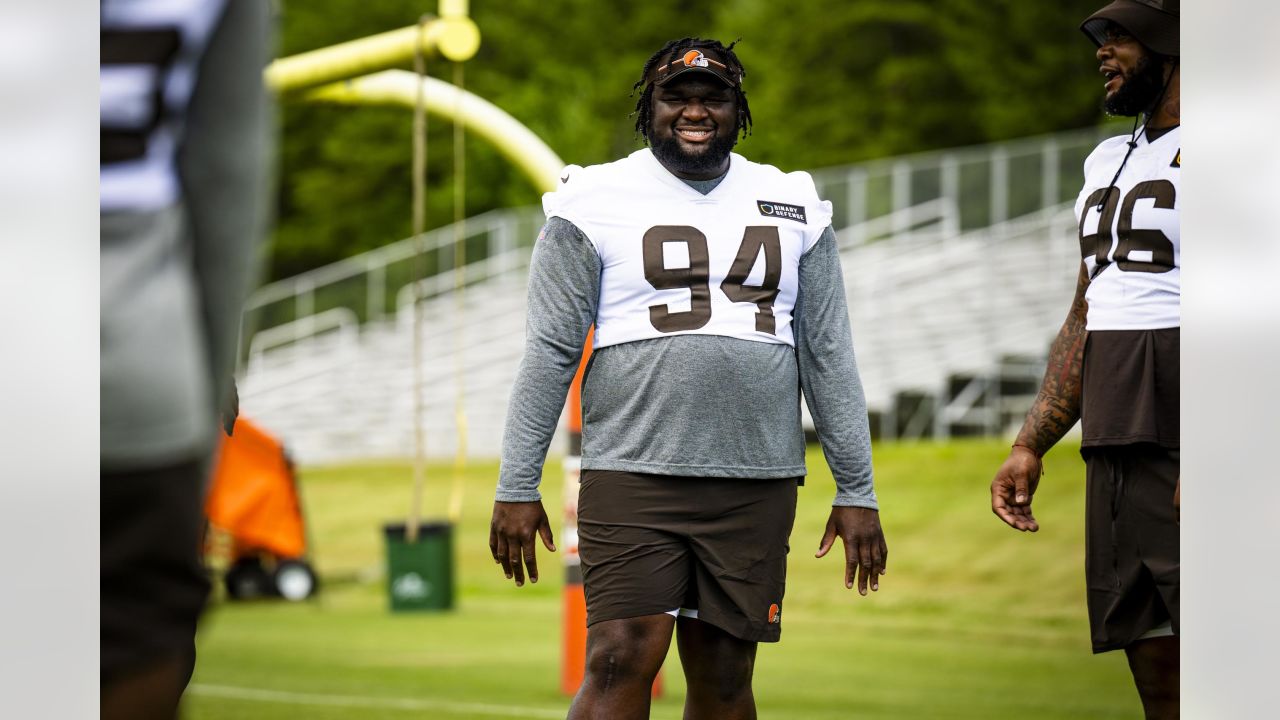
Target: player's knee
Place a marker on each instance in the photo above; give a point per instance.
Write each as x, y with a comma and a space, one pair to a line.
624, 653
614, 665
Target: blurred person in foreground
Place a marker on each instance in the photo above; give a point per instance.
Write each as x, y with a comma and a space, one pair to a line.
184, 125
1114, 364
715, 288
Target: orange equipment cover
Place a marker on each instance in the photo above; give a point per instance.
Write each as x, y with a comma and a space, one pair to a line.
253, 496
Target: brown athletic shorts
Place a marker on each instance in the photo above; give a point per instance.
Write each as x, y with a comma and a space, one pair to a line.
653, 543
1131, 542
153, 582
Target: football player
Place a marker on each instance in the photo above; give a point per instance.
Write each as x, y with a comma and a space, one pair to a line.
183, 188
1114, 363
715, 289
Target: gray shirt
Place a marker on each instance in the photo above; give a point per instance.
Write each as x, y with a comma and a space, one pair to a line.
690, 405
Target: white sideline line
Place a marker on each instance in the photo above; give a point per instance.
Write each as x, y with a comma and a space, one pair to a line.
295, 698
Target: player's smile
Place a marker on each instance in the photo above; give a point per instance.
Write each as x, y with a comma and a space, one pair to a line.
695, 134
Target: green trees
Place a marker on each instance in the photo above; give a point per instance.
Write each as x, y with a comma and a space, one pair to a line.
828, 82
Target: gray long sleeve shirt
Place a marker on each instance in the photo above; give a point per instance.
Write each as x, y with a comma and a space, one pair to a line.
689, 405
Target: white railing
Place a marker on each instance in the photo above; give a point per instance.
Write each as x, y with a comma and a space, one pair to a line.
490, 267
369, 284
341, 320
340, 323
988, 183
934, 220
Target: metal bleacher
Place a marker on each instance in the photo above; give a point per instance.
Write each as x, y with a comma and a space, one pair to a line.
959, 266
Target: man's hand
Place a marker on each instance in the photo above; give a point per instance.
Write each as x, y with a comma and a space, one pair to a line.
864, 545
511, 537
1013, 487
230, 409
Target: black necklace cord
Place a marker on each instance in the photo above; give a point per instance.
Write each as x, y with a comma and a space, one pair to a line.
1133, 135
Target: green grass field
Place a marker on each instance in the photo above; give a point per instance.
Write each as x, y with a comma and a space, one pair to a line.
972, 620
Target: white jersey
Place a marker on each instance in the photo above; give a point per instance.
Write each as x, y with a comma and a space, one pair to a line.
1131, 244
150, 54
677, 262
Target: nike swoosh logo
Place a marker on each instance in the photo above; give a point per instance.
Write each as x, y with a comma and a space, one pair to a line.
564, 179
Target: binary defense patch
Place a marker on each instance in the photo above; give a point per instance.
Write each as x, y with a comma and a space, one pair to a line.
782, 210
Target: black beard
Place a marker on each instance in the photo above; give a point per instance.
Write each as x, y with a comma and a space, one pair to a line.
1140, 90
675, 159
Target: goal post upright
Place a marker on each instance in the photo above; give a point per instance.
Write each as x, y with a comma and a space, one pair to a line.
365, 72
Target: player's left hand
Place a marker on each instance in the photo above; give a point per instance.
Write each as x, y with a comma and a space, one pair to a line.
512, 533
1177, 500
230, 409
864, 545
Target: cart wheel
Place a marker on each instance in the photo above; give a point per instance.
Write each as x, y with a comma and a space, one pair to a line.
294, 580
247, 579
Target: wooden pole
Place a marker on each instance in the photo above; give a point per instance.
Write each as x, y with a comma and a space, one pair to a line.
419, 229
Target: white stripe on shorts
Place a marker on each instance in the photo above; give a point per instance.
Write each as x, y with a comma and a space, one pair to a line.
1163, 630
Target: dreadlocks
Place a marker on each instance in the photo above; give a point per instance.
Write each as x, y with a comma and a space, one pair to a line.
667, 55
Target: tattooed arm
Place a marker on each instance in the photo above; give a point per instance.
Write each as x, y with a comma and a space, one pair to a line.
1057, 405
1055, 410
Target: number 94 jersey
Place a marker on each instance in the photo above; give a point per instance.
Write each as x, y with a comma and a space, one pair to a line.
1129, 235
677, 262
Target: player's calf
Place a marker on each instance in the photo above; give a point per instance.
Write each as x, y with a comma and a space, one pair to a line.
1155, 663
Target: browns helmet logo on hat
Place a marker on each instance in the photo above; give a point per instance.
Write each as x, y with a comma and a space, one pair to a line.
704, 60
695, 58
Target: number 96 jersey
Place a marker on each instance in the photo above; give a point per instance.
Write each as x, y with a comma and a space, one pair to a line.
677, 262
1129, 235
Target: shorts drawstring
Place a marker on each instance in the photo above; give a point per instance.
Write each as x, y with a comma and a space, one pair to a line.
1117, 496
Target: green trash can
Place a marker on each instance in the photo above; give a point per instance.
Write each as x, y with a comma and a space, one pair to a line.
420, 574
